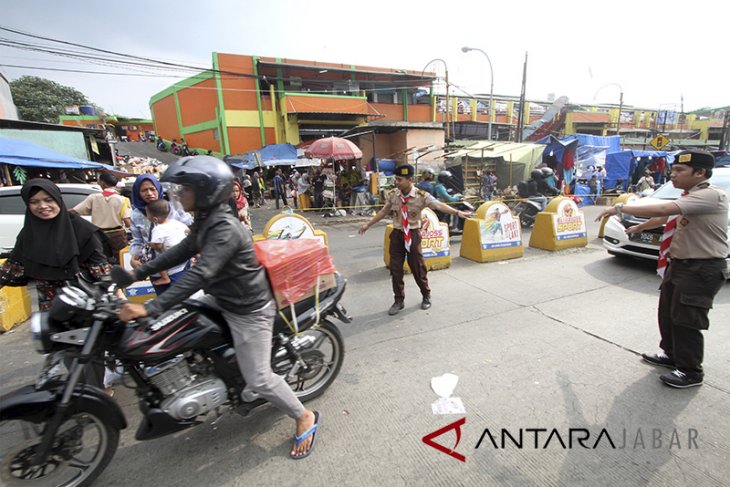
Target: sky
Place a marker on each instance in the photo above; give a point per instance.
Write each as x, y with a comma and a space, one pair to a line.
659, 54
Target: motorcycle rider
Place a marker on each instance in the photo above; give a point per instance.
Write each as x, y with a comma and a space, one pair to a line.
539, 189
439, 189
426, 183
441, 194
161, 144
234, 281
549, 176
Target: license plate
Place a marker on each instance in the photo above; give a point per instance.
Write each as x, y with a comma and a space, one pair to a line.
645, 237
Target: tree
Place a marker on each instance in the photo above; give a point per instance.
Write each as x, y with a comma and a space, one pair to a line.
43, 100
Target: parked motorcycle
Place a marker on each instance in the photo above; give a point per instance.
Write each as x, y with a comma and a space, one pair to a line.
182, 366
160, 144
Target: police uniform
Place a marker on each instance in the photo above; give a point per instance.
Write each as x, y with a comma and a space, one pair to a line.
696, 272
417, 201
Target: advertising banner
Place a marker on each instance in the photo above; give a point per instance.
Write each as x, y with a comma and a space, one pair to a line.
434, 236
500, 229
568, 221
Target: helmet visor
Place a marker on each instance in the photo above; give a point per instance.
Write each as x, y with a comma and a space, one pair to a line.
176, 193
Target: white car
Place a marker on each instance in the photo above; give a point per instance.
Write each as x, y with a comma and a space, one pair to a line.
12, 210
645, 245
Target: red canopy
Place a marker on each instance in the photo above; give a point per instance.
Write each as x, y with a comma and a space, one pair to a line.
333, 148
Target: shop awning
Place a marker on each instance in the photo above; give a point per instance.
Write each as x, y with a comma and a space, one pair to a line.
324, 104
590, 117
22, 153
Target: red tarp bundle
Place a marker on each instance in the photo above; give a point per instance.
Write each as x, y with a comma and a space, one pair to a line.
295, 267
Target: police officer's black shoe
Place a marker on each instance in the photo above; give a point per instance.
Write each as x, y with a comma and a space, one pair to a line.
426, 303
660, 358
680, 380
395, 309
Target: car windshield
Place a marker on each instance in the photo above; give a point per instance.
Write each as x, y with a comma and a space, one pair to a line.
669, 192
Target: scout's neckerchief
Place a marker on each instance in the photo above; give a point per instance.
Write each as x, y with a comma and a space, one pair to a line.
404, 216
661, 266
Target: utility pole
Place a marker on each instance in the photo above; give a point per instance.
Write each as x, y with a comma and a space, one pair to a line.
448, 104
620, 109
725, 134
521, 116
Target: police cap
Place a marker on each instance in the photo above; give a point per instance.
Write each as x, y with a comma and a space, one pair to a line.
405, 170
696, 158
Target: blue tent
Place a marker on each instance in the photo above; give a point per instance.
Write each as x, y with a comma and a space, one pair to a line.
555, 147
611, 142
22, 153
623, 164
270, 155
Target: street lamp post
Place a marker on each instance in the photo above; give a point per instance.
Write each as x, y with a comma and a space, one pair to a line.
620, 103
491, 87
446, 79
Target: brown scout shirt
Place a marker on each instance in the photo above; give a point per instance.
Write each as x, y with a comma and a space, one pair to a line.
701, 231
417, 202
106, 211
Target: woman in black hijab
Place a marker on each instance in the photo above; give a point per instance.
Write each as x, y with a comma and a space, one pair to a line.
53, 245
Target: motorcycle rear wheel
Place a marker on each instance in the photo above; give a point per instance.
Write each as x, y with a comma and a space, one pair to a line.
83, 447
324, 358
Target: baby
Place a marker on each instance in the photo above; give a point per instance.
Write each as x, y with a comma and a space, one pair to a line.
166, 233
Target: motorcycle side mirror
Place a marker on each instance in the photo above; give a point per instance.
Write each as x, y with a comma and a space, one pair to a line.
121, 277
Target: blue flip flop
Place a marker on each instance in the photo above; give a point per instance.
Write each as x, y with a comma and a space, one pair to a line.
310, 432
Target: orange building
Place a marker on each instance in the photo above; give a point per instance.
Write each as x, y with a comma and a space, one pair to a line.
131, 128
247, 102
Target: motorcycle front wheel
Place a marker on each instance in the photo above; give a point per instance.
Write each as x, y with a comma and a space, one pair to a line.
82, 448
323, 352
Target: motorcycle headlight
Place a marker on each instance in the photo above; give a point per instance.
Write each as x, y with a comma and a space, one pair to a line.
40, 330
35, 330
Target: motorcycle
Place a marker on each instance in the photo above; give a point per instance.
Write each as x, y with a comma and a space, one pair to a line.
182, 366
527, 210
616, 190
456, 224
161, 145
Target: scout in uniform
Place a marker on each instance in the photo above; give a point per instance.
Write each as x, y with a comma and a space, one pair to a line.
404, 205
109, 211
691, 261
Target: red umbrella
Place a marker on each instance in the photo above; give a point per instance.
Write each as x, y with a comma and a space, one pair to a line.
333, 148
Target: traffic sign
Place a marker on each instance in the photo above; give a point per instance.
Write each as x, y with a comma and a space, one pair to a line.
659, 142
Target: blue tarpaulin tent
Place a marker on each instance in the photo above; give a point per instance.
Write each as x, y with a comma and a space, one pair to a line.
555, 147
23, 153
623, 164
611, 142
271, 155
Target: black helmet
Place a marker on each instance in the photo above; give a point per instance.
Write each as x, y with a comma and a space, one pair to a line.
210, 178
536, 174
444, 176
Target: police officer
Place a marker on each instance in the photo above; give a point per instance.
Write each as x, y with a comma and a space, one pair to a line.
695, 237
405, 240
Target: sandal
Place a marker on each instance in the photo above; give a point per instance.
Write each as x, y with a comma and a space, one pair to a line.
310, 432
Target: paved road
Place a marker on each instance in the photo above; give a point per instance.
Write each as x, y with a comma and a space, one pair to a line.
548, 341
145, 149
